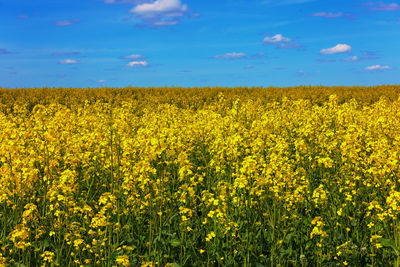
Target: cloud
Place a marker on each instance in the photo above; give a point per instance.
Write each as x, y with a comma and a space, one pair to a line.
134, 64
65, 53
327, 15
365, 55
133, 56
233, 55
159, 6
386, 7
339, 48
351, 59
377, 68
282, 42
277, 38
101, 81
67, 61
160, 13
63, 23
5, 52
163, 23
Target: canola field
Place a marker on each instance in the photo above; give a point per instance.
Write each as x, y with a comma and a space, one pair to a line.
305, 176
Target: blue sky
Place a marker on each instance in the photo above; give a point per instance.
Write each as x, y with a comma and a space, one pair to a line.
94, 43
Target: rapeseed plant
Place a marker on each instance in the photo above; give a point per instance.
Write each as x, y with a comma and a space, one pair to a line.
194, 177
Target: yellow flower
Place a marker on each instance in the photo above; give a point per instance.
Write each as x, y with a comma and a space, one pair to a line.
123, 260
339, 212
77, 242
20, 237
47, 256
374, 238
210, 236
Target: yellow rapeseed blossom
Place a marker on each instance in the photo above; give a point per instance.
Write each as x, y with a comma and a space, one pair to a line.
210, 236
200, 176
123, 260
47, 256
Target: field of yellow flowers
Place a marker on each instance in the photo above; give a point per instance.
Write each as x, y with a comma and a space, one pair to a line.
305, 176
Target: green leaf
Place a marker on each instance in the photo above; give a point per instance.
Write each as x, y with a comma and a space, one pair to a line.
175, 242
389, 243
45, 244
285, 252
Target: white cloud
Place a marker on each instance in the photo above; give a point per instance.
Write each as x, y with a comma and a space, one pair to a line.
133, 56
327, 15
278, 38
68, 61
165, 22
353, 58
377, 67
386, 7
233, 55
159, 7
101, 81
160, 13
339, 48
133, 64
